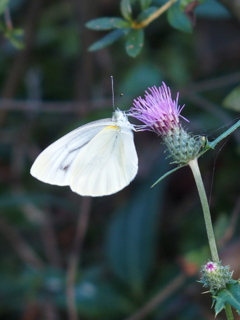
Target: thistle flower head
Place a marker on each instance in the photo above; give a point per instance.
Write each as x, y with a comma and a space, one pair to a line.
157, 110
160, 113
215, 276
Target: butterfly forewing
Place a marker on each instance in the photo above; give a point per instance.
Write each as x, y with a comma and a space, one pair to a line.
54, 164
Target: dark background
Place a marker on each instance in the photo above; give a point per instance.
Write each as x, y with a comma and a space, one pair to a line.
142, 242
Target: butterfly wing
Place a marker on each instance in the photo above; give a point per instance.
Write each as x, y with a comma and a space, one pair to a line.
54, 164
107, 164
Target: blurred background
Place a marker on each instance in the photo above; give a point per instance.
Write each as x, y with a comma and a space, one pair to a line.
136, 254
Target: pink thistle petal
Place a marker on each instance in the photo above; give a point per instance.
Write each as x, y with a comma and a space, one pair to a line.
211, 266
157, 110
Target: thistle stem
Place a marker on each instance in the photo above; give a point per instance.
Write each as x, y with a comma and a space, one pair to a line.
193, 164
228, 311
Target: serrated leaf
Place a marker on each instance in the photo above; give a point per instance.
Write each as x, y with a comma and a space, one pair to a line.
146, 13
232, 101
134, 42
230, 295
3, 5
178, 19
126, 9
107, 23
107, 40
145, 4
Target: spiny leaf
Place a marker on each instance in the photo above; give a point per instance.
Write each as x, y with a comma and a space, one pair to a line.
230, 295
107, 23
134, 42
108, 39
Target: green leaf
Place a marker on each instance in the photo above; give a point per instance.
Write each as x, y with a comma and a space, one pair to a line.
178, 19
209, 145
108, 39
126, 9
184, 3
15, 36
232, 101
145, 4
131, 238
146, 13
213, 144
3, 5
107, 23
165, 175
230, 295
134, 42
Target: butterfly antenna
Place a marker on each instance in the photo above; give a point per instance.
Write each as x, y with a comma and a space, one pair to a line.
113, 101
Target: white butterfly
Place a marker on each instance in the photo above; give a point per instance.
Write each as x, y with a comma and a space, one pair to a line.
96, 159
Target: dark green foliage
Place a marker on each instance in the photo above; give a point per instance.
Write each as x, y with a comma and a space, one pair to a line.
107, 23
141, 239
3, 5
178, 19
108, 39
145, 4
230, 295
134, 43
126, 10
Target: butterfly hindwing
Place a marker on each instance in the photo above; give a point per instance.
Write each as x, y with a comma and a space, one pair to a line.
108, 163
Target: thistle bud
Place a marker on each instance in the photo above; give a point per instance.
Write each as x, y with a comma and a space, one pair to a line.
215, 276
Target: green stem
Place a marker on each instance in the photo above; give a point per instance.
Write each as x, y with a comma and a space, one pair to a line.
155, 15
193, 164
206, 212
228, 311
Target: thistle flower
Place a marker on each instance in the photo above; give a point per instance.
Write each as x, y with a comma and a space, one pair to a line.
215, 276
160, 114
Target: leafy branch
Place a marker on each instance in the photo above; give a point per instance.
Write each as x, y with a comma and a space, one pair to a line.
14, 35
132, 27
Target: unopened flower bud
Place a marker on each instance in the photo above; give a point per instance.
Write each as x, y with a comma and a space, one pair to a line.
215, 276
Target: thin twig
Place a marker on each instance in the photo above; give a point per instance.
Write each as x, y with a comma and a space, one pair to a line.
8, 19
47, 231
159, 298
75, 256
154, 16
18, 67
214, 109
81, 107
212, 84
23, 249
